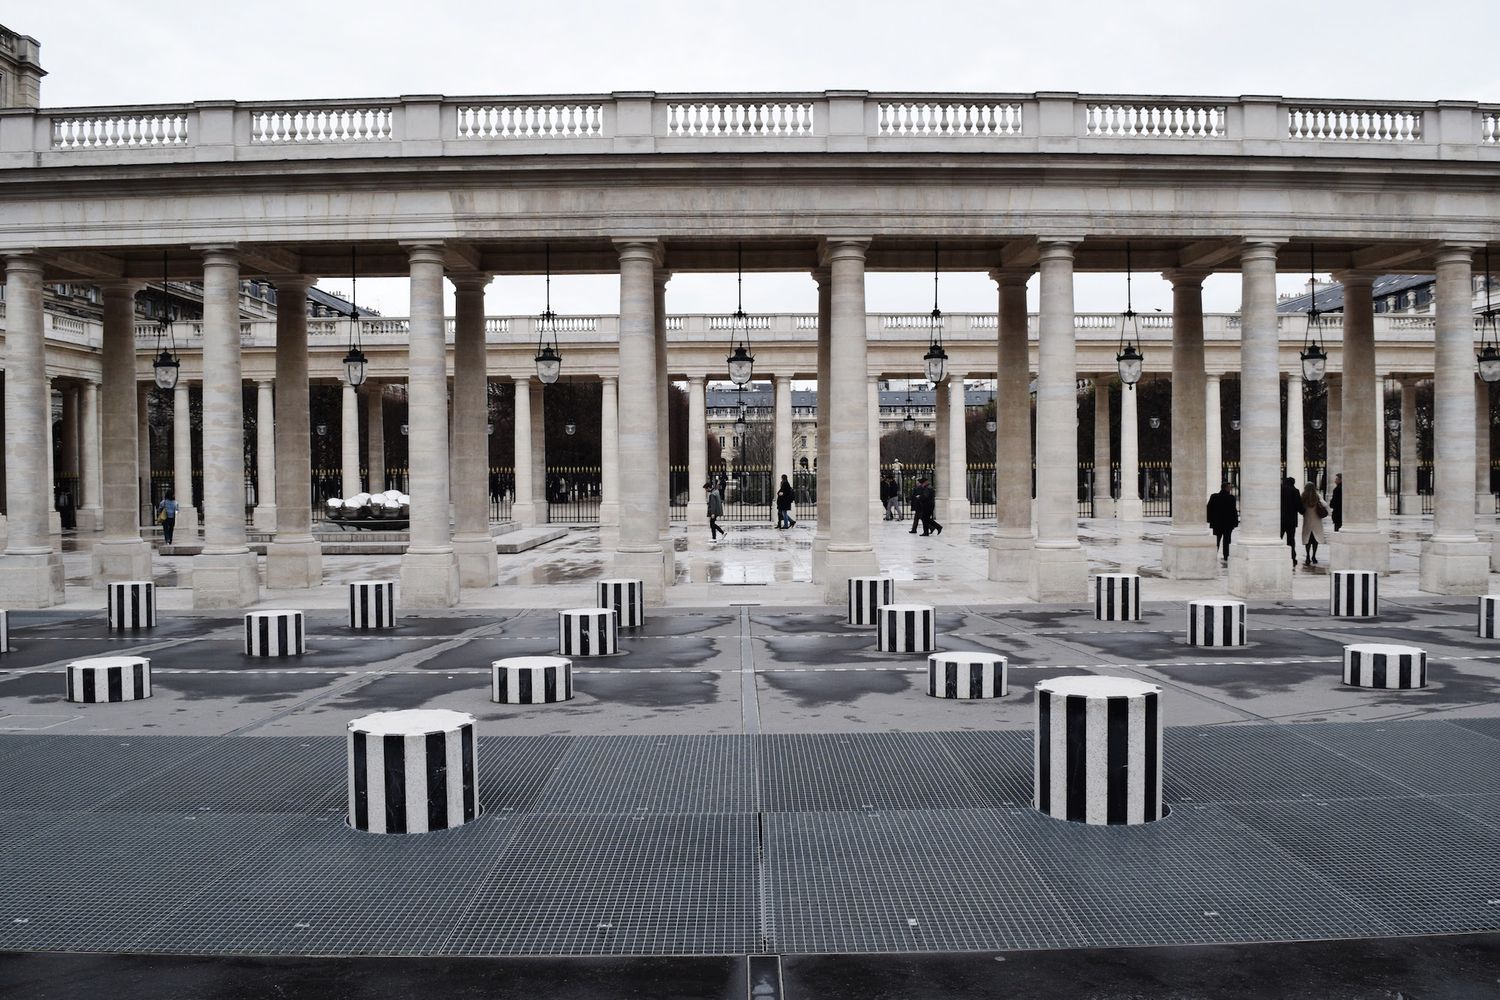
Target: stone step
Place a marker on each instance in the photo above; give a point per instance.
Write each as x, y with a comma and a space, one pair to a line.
528, 538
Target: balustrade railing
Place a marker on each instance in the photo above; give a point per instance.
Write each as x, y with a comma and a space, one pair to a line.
530, 121
941, 118
333, 124
106, 131
1489, 127
1196, 121
777, 118
1354, 124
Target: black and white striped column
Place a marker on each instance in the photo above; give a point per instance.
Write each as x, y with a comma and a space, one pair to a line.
412, 771
626, 598
867, 594
966, 675
586, 632
906, 628
132, 604
1216, 622
372, 604
4, 633
274, 633
109, 678
1356, 593
531, 680
1381, 665
1097, 750
1117, 597
1489, 620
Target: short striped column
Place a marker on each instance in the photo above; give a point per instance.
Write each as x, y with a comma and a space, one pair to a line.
531, 680
867, 594
1216, 623
906, 628
109, 678
4, 633
1097, 750
1117, 597
966, 675
586, 632
1381, 665
274, 633
372, 604
626, 598
412, 771
1489, 626
1356, 593
131, 604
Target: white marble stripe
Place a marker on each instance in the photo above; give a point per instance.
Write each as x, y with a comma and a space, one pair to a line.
349, 764
454, 747
1135, 774
416, 782
375, 781
1096, 755
1059, 757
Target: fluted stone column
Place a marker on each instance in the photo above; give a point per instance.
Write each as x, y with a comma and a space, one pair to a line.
782, 388
1213, 433
264, 517
1296, 458
663, 451
697, 428
1011, 544
1452, 560
1188, 552
375, 436
877, 509
31, 571
225, 575
823, 279
1059, 570
1129, 507
523, 508
294, 559
429, 570
940, 442
849, 550
147, 497
90, 481
1382, 496
1484, 501
120, 554
955, 518
1104, 493
1259, 564
638, 554
473, 545
1333, 430
186, 528
538, 449
1360, 544
1411, 499
609, 455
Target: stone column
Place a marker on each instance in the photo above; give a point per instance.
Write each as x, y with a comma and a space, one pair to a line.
697, 430
1382, 495
639, 551
120, 554
1213, 433
877, 509
956, 517
609, 456
663, 451
1188, 552
1104, 493
824, 281
1259, 564
1484, 501
90, 513
429, 571
182, 465
147, 496
1011, 544
31, 571
849, 550
69, 442
1360, 544
264, 517
940, 442
782, 388
375, 437
1411, 500
1059, 570
538, 449
1333, 430
1296, 456
225, 575
1452, 561
473, 545
523, 508
1129, 507
294, 559
349, 481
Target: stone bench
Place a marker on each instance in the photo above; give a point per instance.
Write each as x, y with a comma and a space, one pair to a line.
1216, 622
587, 632
372, 604
412, 771
906, 628
1117, 597
1383, 665
627, 598
523, 539
867, 594
109, 679
531, 680
274, 633
1098, 750
1355, 593
966, 675
131, 604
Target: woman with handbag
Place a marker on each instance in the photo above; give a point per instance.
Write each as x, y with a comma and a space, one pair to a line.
166, 516
1314, 510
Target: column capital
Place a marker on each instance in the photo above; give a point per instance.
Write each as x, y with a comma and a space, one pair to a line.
1356, 279
831, 249
1186, 277
1056, 249
697, 379
821, 275
426, 253
779, 379
265, 383
1260, 249
1455, 253
1011, 277
470, 281
22, 262
636, 249
120, 286
288, 282
613, 379
219, 254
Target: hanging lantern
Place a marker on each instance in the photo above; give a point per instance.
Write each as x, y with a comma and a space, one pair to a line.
741, 422
1314, 358
355, 361
1129, 360
167, 366
935, 361
548, 357
740, 361
909, 421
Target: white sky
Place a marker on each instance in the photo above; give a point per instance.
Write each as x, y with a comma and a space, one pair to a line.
100, 52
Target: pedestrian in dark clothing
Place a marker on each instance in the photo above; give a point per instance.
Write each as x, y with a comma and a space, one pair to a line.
715, 511
1336, 502
785, 497
923, 507
1291, 510
890, 496
1223, 517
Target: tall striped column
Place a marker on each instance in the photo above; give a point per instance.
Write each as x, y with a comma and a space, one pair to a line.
626, 598
1097, 750
372, 604
1216, 623
1117, 597
1355, 593
131, 604
412, 771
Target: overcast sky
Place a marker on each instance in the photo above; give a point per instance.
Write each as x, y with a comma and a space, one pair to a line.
162, 51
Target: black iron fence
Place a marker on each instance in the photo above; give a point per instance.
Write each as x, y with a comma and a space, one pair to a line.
573, 493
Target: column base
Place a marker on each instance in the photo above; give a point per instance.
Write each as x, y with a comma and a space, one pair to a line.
524, 513
609, 513
1455, 567
292, 563
1190, 555
1411, 503
648, 566
1130, 509
119, 559
54, 523
263, 518
1260, 569
225, 580
478, 563
820, 559
89, 518
839, 564
1359, 548
1104, 507
954, 516
429, 579
1059, 574
1010, 557
1484, 503
32, 580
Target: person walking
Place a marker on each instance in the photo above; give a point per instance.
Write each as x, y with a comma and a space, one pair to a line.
923, 507
1336, 501
166, 516
785, 497
715, 511
890, 496
1291, 508
1313, 512
1223, 517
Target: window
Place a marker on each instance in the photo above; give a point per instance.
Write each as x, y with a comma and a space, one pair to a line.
721, 440
804, 440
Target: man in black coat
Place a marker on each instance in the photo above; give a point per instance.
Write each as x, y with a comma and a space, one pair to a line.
1291, 509
1223, 517
923, 506
1336, 502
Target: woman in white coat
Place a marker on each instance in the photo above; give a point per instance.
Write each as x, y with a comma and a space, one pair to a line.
1314, 510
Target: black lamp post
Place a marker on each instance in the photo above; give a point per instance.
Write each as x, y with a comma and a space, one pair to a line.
167, 366
1129, 360
935, 361
1314, 357
548, 357
355, 361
